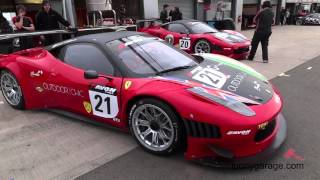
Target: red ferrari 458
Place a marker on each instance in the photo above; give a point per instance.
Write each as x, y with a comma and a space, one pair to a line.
213, 106
197, 37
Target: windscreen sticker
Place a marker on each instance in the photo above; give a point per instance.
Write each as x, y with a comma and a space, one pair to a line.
104, 101
211, 77
212, 74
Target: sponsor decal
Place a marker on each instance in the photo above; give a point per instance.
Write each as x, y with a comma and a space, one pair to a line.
39, 89
104, 101
36, 74
127, 85
62, 89
263, 126
169, 39
210, 76
87, 106
256, 86
243, 132
116, 119
105, 89
184, 43
236, 81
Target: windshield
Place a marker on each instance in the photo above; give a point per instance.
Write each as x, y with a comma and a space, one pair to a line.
200, 28
145, 56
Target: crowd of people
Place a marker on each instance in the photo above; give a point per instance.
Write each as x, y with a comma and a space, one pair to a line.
45, 19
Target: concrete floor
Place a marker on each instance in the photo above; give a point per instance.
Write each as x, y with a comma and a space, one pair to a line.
43, 145
289, 47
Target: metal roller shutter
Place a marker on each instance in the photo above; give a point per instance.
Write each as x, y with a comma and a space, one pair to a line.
185, 6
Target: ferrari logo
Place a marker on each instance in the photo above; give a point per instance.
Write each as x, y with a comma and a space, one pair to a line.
87, 106
127, 84
262, 126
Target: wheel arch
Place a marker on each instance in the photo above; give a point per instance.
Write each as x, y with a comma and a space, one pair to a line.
137, 98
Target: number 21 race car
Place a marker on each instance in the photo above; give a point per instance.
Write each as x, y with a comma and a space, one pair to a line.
210, 106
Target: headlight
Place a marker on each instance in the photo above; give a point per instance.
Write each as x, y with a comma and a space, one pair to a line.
226, 101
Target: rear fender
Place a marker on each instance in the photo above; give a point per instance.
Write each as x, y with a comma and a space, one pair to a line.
12, 66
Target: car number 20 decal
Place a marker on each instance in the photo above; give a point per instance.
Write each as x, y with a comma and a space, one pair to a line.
211, 77
104, 104
184, 43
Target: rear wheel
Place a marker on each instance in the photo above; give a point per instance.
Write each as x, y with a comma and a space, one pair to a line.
11, 90
155, 126
202, 46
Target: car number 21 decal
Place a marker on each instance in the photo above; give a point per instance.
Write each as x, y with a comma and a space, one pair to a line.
105, 103
211, 77
185, 43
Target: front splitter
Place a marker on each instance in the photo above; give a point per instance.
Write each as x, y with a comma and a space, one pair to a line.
250, 160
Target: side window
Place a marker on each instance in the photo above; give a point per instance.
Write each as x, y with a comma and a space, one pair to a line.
88, 57
179, 28
57, 52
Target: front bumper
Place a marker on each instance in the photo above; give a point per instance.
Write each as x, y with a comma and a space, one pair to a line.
239, 53
226, 158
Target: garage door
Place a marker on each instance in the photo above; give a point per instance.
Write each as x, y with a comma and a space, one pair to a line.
185, 6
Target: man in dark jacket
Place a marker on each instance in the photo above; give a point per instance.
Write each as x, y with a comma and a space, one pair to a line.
49, 19
175, 14
164, 14
264, 20
5, 45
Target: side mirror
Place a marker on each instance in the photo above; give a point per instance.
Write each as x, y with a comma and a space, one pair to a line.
90, 74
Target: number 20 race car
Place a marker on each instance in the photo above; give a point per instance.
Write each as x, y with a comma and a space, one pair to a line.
211, 106
197, 37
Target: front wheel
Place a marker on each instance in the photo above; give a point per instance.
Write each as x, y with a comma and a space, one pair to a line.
202, 46
11, 90
299, 22
155, 126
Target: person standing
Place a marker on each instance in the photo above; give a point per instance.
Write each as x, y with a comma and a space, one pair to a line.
264, 21
122, 14
5, 45
23, 23
175, 14
282, 16
287, 18
49, 19
164, 14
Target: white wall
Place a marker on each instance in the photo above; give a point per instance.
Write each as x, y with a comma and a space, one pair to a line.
151, 9
239, 8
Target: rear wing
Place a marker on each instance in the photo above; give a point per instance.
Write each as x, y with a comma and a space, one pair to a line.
10, 42
71, 31
148, 22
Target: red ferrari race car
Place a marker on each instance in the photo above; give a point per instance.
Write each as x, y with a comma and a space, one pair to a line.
197, 37
216, 106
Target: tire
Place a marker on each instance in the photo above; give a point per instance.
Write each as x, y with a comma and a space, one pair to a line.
158, 132
11, 90
202, 46
299, 22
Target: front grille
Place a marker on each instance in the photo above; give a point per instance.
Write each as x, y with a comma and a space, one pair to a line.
262, 134
202, 130
241, 50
